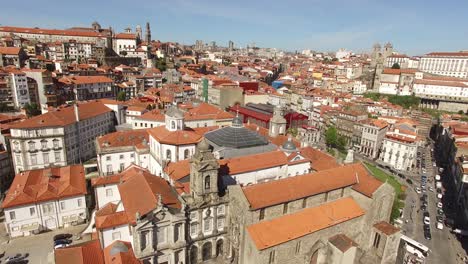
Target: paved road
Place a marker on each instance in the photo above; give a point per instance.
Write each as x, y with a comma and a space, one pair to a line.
39, 247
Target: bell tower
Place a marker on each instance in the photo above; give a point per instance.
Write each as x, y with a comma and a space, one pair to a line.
203, 171
277, 124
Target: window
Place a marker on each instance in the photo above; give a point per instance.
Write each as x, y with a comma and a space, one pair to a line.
46, 158
326, 196
109, 192
44, 144
220, 209
132, 155
56, 143
177, 229
168, 154
193, 229
12, 215
116, 235
298, 247
62, 206
207, 183
32, 145
109, 168
342, 192
122, 166
285, 208
80, 203
220, 223
272, 257
186, 154
262, 214
304, 203
33, 159
57, 156
121, 156
32, 211
376, 240
162, 234
172, 124
144, 239
48, 208
18, 159
207, 224
108, 158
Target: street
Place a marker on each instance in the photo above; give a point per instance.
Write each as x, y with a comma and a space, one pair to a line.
444, 247
39, 247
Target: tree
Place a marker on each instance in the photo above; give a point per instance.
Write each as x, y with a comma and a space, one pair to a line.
396, 65
293, 131
331, 137
341, 143
121, 96
32, 109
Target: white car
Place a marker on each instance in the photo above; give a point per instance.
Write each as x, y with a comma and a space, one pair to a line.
439, 195
418, 190
439, 205
427, 220
60, 246
439, 226
437, 177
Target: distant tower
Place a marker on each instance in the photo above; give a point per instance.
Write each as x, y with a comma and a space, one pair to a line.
277, 123
388, 50
231, 45
138, 33
148, 33
96, 26
128, 30
376, 53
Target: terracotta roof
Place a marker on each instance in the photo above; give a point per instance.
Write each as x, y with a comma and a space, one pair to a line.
461, 83
342, 242
43, 31
84, 253
319, 160
139, 193
386, 228
125, 36
178, 170
179, 137
9, 50
448, 54
266, 234
64, 116
293, 188
206, 111
46, 184
116, 178
108, 217
85, 79
126, 138
120, 252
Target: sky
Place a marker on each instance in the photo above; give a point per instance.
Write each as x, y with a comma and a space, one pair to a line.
414, 27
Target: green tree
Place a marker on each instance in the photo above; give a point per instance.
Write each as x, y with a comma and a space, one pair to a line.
161, 64
32, 109
293, 131
121, 96
341, 143
331, 137
396, 65
4, 107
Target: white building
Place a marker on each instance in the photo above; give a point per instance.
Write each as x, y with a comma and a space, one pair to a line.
125, 42
399, 149
60, 137
452, 89
453, 64
45, 199
19, 87
373, 133
118, 150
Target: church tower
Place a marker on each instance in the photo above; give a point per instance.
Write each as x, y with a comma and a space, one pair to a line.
277, 124
174, 118
139, 34
203, 171
148, 34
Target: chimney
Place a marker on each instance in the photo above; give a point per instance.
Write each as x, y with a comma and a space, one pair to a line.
77, 115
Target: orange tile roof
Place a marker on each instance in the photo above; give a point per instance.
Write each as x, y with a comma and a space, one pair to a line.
123, 256
293, 188
270, 233
9, 50
319, 160
448, 54
116, 178
46, 184
124, 138
386, 228
42, 31
64, 116
125, 36
85, 79
206, 111
107, 219
140, 192
178, 170
179, 137
84, 253
342, 242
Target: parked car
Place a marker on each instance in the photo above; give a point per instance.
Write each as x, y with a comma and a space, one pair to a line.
62, 236
427, 235
423, 208
427, 220
439, 205
437, 177
418, 190
61, 243
440, 219
430, 189
439, 226
15, 259
440, 211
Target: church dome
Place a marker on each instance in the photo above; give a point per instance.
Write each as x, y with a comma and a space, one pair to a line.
237, 122
289, 146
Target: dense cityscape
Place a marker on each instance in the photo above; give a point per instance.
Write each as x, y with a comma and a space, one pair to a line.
117, 147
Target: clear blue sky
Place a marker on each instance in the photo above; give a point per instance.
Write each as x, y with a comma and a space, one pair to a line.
413, 26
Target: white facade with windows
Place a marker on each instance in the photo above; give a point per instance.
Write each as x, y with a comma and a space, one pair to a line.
399, 150
47, 215
453, 64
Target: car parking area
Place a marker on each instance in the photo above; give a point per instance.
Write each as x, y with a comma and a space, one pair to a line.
39, 248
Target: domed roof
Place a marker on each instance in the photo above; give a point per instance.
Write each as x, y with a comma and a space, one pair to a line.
118, 247
235, 137
289, 145
237, 122
175, 112
203, 145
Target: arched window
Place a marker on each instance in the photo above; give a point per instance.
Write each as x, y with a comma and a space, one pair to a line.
168, 154
207, 182
186, 154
